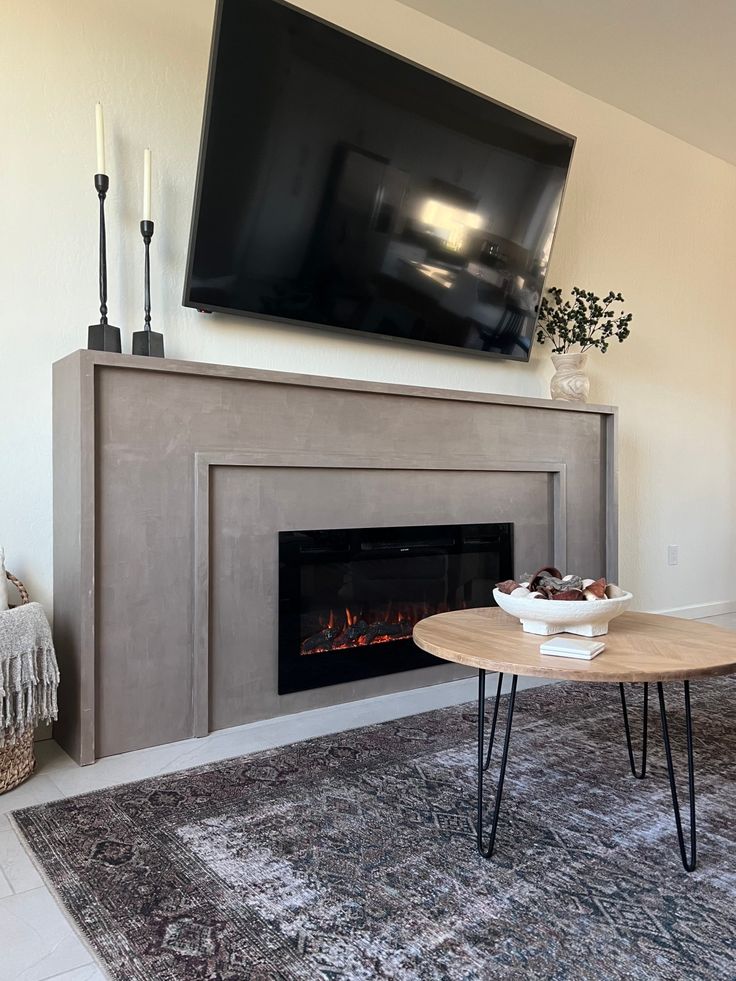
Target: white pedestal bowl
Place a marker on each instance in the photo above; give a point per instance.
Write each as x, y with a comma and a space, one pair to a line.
586, 618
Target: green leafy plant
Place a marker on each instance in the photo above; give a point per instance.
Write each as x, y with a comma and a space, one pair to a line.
584, 322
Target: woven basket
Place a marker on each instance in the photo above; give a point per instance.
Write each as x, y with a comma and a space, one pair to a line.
17, 762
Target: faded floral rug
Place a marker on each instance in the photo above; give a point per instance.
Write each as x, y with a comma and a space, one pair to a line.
353, 856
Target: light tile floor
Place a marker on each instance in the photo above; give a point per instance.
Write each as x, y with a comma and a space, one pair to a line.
37, 941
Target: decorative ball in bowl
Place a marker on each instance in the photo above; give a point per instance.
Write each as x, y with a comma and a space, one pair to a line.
549, 603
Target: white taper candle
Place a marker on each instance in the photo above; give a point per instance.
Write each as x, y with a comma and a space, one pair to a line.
100, 128
146, 184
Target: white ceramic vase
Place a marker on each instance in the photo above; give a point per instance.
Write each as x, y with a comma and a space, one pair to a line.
569, 380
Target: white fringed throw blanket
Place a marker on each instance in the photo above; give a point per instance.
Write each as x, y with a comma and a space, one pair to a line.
29, 674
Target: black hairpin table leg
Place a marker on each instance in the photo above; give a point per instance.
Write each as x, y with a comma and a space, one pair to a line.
690, 863
639, 776
493, 721
485, 759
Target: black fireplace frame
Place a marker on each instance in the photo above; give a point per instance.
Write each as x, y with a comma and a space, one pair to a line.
301, 673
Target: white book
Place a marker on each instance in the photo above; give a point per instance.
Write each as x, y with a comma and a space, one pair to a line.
572, 647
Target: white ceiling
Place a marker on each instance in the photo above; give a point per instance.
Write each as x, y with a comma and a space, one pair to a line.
672, 63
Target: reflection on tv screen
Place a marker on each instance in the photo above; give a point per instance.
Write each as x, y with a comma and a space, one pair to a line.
343, 187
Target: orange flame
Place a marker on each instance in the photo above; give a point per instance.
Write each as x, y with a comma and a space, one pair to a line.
332, 635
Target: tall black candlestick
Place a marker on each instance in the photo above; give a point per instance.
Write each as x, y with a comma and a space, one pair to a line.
103, 336
147, 342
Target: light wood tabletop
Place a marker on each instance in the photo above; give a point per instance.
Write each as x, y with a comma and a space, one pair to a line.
639, 647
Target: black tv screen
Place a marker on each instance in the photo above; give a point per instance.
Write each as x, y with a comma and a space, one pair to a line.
343, 187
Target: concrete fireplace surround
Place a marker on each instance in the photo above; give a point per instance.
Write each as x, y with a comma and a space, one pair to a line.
171, 480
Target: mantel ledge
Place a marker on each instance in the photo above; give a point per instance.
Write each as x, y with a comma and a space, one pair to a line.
90, 360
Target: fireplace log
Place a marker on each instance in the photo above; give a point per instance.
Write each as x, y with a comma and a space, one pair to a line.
360, 633
356, 630
385, 630
325, 638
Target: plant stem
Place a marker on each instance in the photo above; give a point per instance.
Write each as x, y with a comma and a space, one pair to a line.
595, 326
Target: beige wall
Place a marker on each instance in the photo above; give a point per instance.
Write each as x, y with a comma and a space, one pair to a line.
645, 214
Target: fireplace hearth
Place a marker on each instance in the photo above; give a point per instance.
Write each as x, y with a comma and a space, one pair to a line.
349, 598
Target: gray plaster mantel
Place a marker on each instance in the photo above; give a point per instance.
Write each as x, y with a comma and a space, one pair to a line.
171, 479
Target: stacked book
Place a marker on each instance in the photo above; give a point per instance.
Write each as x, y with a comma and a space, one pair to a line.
572, 647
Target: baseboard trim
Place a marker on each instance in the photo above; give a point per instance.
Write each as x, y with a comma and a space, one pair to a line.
365, 712
700, 610
283, 730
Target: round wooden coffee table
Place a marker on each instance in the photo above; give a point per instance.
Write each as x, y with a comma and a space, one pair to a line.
640, 648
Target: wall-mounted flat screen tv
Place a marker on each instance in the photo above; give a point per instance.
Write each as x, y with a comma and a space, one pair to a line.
343, 187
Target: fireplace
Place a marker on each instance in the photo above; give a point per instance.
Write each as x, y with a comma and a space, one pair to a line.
349, 598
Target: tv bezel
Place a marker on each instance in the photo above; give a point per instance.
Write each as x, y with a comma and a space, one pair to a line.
369, 336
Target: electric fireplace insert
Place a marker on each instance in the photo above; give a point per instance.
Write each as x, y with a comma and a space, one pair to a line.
349, 598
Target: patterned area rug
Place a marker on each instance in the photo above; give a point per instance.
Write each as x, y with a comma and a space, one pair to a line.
353, 856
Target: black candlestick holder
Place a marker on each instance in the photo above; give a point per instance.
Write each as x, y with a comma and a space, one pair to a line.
147, 342
103, 336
